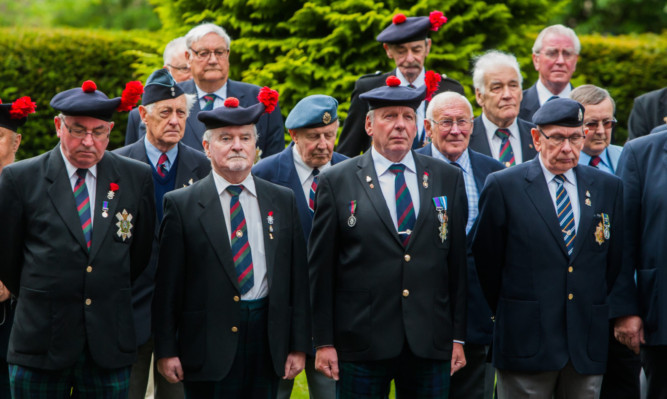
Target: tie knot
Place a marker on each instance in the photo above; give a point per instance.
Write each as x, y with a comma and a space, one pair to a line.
595, 161
560, 179
316, 172
456, 164
81, 173
412, 86
163, 158
235, 191
397, 168
210, 97
503, 133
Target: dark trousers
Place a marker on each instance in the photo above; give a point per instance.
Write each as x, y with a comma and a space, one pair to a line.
84, 379
621, 380
654, 361
415, 378
141, 372
252, 375
476, 379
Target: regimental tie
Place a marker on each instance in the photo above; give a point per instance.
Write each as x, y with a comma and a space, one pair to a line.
210, 100
595, 160
83, 205
313, 188
506, 154
240, 244
405, 212
162, 165
565, 214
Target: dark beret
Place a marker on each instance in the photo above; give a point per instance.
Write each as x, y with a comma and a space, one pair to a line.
560, 112
86, 101
160, 86
394, 95
228, 115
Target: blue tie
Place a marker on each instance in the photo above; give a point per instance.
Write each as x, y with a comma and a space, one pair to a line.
565, 214
405, 212
240, 244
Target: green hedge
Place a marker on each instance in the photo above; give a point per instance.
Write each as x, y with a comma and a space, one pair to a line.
40, 63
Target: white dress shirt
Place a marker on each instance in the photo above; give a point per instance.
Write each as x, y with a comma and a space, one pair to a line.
495, 141
91, 183
305, 172
221, 94
543, 94
570, 186
387, 181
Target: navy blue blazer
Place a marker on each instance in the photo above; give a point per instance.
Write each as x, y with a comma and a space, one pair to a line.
192, 166
479, 141
530, 103
643, 169
270, 128
550, 308
480, 325
649, 110
279, 169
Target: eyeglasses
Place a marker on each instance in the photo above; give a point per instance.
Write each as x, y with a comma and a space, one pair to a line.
98, 134
181, 68
447, 124
205, 54
607, 124
552, 53
558, 140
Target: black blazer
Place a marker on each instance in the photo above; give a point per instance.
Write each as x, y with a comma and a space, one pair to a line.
480, 324
45, 261
270, 128
530, 103
649, 111
479, 141
191, 166
527, 275
353, 139
196, 296
369, 293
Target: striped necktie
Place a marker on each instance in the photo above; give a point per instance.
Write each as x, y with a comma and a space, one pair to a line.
83, 205
565, 214
210, 99
595, 160
162, 165
240, 244
313, 188
506, 154
405, 212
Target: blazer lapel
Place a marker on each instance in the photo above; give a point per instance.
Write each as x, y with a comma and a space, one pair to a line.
266, 206
213, 223
367, 169
62, 197
478, 139
106, 174
425, 196
585, 190
186, 173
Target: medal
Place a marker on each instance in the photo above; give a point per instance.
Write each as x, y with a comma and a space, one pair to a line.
606, 226
352, 220
587, 201
599, 234
105, 209
113, 187
124, 225
369, 180
441, 207
270, 220
189, 183
425, 180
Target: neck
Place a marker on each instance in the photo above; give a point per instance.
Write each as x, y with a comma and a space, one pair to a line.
163, 147
234, 177
210, 86
501, 123
554, 87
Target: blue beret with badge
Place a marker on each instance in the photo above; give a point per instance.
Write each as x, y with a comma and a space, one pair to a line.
160, 86
232, 114
313, 111
88, 101
409, 29
560, 112
393, 95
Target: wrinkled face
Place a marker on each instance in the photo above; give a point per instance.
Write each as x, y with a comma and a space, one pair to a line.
213, 68
599, 136
179, 68
9, 144
165, 124
409, 57
83, 139
231, 150
393, 130
315, 145
502, 96
556, 61
451, 142
558, 158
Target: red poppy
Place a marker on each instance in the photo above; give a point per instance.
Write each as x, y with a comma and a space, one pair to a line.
22, 107
113, 187
432, 81
269, 98
131, 95
437, 19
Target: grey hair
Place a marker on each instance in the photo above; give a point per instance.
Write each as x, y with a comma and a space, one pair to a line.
591, 95
488, 62
207, 134
189, 102
559, 30
174, 47
202, 30
445, 98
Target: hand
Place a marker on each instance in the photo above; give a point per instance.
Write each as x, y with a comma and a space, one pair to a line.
458, 358
295, 363
170, 368
629, 330
4, 292
326, 362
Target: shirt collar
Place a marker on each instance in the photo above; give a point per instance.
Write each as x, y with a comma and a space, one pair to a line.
221, 184
491, 127
463, 161
382, 164
71, 169
569, 175
419, 82
221, 92
304, 171
544, 94
154, 154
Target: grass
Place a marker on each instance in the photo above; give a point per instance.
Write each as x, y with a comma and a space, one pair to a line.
300, 390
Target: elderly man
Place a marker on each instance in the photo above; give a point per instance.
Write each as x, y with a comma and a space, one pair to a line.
79, 222
406, 42
387, 261
312, 124
449, 122
648, 112
231, 311
548, 248
498, 132
174, 57
164, 110
555, 55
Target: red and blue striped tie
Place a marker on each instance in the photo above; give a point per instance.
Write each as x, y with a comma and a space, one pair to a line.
210, 100
83, 205
240, 244
162, 165
313, 188
405, 212
565, 214
506, 155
